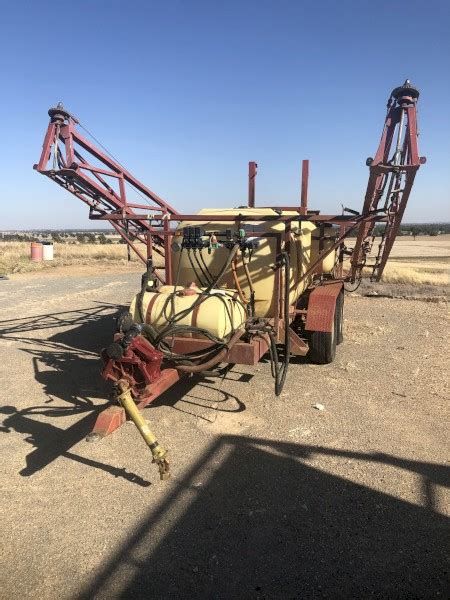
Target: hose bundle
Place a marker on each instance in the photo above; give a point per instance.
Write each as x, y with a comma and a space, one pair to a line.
200, 359
204, 359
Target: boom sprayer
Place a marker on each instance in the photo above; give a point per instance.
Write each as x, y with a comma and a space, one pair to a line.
230, 285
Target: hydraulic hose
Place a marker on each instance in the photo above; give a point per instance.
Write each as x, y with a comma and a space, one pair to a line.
264, 330
203, 279
206, 276
247, 274
287, 339
250, 285
219, 348
202, 297
215, 360
208, 272
280, 370
236, 281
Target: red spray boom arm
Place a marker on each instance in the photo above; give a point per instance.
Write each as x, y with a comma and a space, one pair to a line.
392, 173
101, 182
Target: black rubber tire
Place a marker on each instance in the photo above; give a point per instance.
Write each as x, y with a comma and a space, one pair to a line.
339, 318
322, 346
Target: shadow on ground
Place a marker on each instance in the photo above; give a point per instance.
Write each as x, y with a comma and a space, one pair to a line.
253, 518
67, 365
266, 524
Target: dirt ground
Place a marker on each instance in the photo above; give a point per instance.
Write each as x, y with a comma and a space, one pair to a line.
270, 497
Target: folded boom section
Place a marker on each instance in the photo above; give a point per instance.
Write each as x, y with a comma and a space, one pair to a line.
100, 181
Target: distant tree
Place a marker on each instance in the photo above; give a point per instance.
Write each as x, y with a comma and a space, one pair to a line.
102, 238
56, 237
378, 230
415, 230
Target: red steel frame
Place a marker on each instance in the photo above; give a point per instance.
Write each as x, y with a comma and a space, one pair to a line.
252, 167
94, 185
103, 188
390, 179
304, 194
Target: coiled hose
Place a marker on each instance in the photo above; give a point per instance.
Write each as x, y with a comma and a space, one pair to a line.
203, 358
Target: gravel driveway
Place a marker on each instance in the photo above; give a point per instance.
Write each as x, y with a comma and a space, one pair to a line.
270, 497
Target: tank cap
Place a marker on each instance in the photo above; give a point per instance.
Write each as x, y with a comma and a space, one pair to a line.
190, 290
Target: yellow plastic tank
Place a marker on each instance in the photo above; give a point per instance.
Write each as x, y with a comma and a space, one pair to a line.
214, 313
220, 313
261, 264
319, 245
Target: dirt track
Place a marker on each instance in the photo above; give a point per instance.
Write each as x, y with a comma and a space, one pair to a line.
270, 498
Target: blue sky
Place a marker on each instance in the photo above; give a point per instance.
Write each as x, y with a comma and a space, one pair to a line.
186, 93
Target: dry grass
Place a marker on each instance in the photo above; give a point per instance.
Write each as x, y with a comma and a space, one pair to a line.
15, 256
424, 261
399, 272
421, 262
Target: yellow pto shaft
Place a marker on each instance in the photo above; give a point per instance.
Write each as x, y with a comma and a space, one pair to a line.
158, 452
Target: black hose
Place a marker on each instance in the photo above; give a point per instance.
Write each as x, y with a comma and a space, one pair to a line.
162, 345
280, 370
171, 329
158, 339
208, 272
200, 280
208, 279
215, 360
140, 296
206, 292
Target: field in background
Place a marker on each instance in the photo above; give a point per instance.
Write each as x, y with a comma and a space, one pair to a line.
424, 261
15, 256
